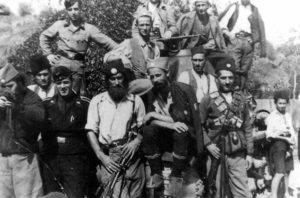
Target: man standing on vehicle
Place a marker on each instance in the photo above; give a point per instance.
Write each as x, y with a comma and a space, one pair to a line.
74, 37
243, 26
225, 113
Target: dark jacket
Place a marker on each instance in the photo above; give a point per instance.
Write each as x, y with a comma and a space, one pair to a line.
257, 25
66, 119
209, 112
184, 109
28, 118
185, 26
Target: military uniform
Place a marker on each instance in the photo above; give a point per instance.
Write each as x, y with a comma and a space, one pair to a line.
214, 110
65, 144
72, 45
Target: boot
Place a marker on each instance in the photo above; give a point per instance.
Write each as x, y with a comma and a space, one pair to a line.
176, 184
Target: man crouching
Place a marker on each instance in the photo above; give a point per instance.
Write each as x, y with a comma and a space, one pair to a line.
172, 123
114, 118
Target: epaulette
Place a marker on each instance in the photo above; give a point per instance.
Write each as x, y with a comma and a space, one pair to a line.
85, 99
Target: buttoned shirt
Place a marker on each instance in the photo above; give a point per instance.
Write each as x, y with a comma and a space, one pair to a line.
202, 83
242, 23
278, 123
110, 120
73, 40
42, 93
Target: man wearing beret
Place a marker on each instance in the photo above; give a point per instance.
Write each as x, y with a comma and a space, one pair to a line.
224, 114
22, 116
243, 27
172, 124
200, 22
74, 37
65, 147
41, 71
113, 122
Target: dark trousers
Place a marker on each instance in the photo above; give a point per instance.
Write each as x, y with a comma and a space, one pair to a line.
71, 170
241, 50
156, 140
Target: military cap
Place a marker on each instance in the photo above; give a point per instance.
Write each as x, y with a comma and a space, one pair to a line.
7, 73
161, 63
113, 67
38, 63
61, 73
226, 63
144, 13
198, 50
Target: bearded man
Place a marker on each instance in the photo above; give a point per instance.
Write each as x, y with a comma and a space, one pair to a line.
113, 122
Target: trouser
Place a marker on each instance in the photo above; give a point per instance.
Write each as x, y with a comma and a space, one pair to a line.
241, 50
132, 182
20, 176
237, 176
71, 170
156, 140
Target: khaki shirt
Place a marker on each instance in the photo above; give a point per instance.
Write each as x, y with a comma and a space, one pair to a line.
73, 41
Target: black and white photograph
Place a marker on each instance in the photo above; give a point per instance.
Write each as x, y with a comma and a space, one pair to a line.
149, 99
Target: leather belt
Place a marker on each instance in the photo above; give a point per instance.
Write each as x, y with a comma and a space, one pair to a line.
78, 56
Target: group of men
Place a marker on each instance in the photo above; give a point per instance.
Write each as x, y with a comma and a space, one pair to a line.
142, 114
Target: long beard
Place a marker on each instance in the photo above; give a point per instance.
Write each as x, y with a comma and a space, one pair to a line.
117, 93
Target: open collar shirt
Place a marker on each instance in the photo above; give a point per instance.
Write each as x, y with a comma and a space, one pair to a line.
110, 121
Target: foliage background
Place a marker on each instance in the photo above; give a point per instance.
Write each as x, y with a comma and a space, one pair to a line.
279, 70
113, 17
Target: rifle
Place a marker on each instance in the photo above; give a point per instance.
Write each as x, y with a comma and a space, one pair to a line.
216, 162
108, 189
181, 37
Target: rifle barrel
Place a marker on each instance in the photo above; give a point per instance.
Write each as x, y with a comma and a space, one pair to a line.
181, 37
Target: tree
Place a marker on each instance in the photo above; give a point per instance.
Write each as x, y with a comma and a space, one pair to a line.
113, 17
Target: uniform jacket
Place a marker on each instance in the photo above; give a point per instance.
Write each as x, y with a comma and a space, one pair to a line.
210, 112
28, 119
257, 25
183, 109
67, 122
167, 16
185, 26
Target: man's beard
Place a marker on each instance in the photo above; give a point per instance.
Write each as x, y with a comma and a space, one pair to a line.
117, 93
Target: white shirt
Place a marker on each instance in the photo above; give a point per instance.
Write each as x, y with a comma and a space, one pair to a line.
110, 120
242, 23
277, 123
50, 92
202, 83
155, 15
